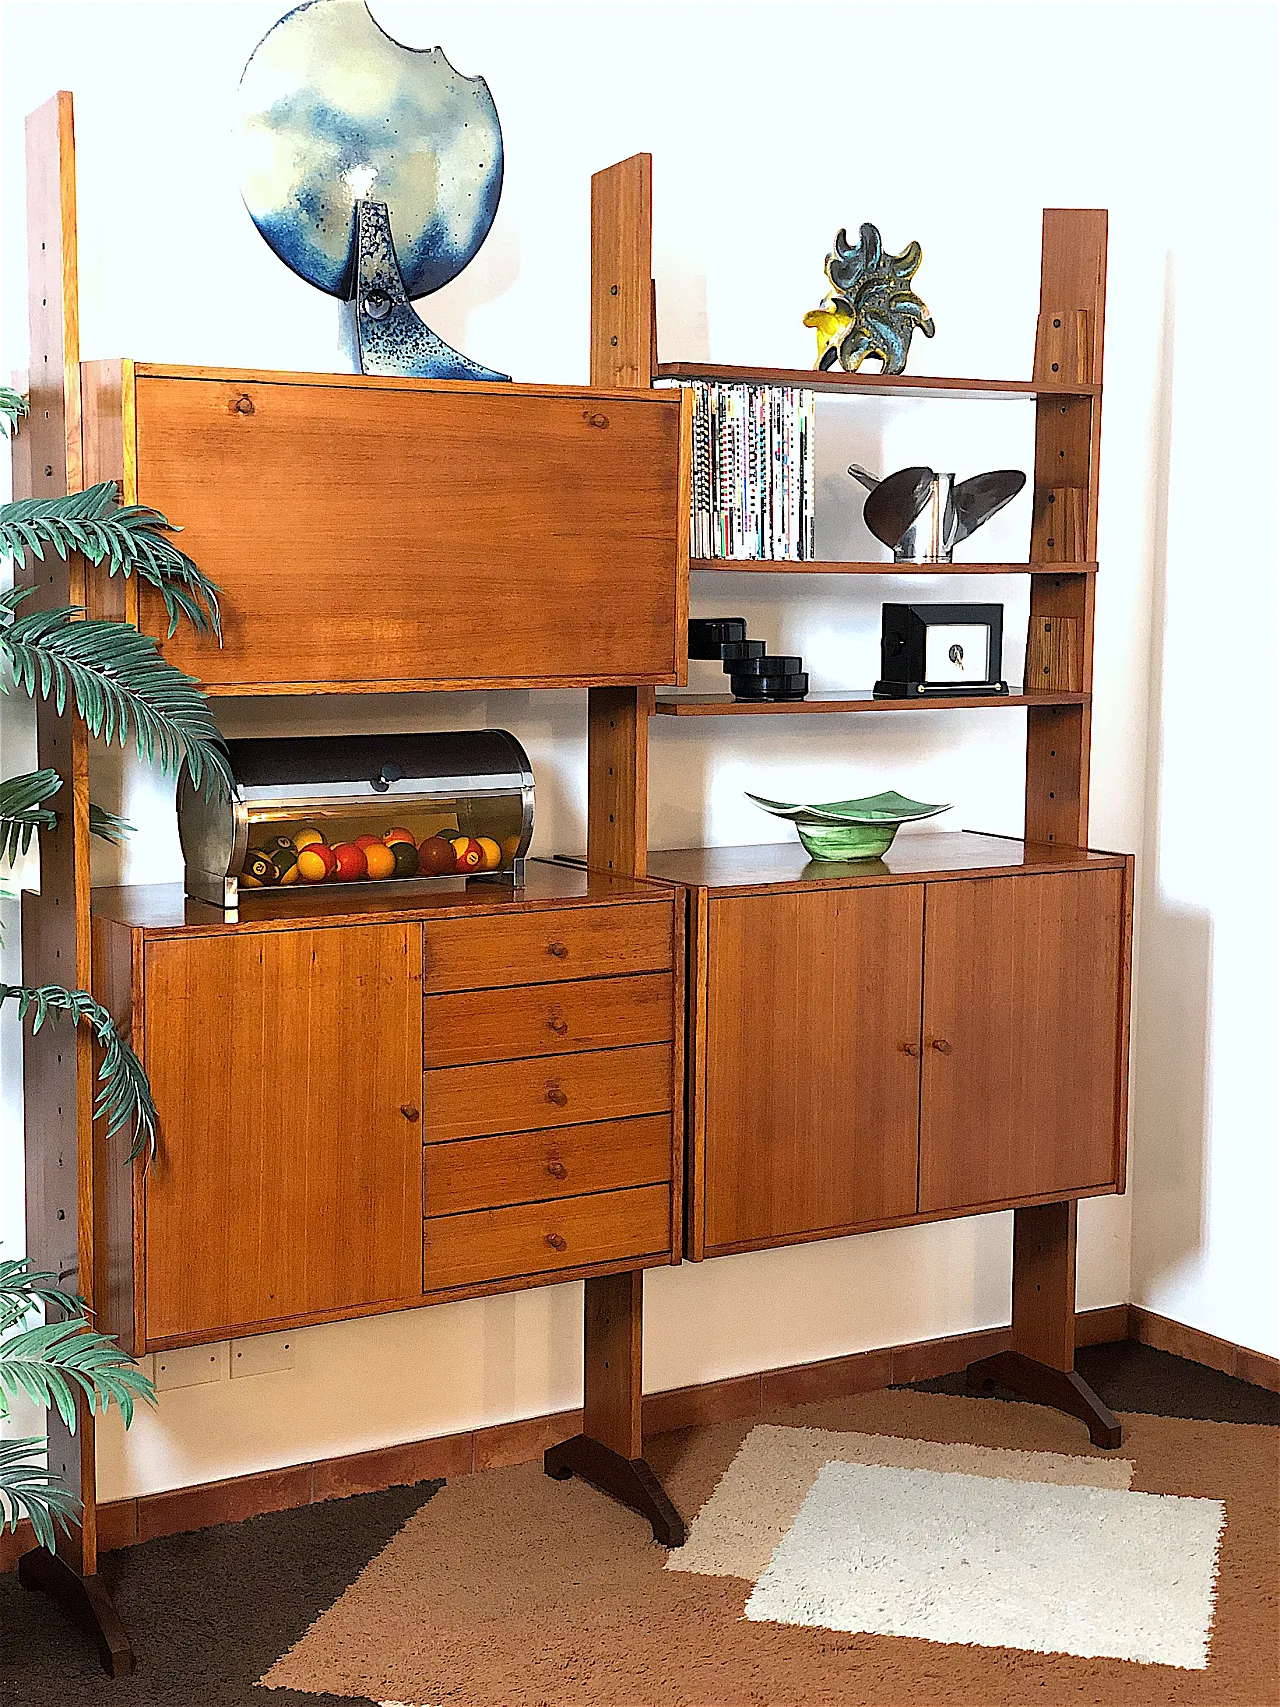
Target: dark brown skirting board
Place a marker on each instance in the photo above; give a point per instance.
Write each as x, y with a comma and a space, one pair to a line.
121, 1523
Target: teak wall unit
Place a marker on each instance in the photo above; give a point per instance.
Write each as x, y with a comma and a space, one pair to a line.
969, 996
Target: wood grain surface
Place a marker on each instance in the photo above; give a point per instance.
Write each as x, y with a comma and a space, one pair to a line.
531, 1167
547, 1019
539, 1238
520, 1096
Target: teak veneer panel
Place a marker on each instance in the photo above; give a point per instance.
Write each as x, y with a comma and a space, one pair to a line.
812, 1078
379, 533
536, 948
1022, 1037
286, 1068
547, 1019
533, 1167
518, 1096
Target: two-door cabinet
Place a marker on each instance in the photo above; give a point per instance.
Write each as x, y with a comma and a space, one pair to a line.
942, 1032
367, 1104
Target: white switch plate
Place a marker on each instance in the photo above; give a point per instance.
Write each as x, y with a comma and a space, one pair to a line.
190, 1366
261, 1354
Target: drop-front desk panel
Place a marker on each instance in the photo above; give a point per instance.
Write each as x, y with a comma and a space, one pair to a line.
370, 1100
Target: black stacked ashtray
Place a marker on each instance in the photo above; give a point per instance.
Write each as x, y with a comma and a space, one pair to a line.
753, 674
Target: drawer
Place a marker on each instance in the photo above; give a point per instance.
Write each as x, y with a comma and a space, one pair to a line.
527, 1167
539, 1238
488, 952
546, 1019
520, 1096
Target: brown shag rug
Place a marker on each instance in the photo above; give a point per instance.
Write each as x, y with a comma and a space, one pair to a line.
510, 1590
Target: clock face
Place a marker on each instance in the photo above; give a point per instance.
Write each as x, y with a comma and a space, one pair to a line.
957, 652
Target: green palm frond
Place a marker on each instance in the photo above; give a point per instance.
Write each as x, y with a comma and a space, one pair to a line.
117, 679
13, 405
129, 539
51, 1361
23, 1287
124, 1099
22, 810
109, 825
28, 1490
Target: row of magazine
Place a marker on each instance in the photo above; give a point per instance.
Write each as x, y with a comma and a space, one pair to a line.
751, 486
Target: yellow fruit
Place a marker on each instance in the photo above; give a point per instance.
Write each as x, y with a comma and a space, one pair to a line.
380, 860
306, 839
492, 853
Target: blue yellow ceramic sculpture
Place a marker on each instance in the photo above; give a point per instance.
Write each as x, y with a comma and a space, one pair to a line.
849, 829
871, 309
335, 118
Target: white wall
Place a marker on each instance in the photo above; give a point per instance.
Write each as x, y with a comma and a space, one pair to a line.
770, 126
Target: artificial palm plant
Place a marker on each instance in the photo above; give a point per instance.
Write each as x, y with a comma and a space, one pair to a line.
117, 681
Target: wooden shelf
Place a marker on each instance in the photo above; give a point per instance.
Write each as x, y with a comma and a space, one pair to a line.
871, 384
820, 566
724, 705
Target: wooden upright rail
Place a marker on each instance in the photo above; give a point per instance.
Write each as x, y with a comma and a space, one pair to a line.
56, 945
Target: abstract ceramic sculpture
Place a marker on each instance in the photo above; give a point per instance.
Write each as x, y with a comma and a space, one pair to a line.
373, 170
921, 515
849, 829
871, 309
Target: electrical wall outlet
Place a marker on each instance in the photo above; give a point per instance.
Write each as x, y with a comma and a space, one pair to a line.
262, 1354
190, 1366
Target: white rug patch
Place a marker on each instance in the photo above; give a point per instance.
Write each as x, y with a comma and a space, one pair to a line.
759, 1496
958, 1558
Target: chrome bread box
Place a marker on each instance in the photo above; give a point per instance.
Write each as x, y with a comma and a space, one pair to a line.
359, 809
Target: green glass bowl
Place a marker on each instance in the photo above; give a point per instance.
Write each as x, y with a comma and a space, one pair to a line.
849, 829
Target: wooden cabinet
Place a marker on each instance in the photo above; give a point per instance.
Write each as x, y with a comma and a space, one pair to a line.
287, 1069
333, 1141
811, 1096
369, 533
1022, 1038
941, 1033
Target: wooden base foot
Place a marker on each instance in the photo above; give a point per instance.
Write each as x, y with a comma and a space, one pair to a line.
1060, 1389
85, 1601
628, 1480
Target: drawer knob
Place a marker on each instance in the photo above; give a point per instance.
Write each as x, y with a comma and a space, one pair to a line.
557, 1096
557, 1169
941, 1045
559, 1026
558, 949
911, 1049
409, 1111
556, 1242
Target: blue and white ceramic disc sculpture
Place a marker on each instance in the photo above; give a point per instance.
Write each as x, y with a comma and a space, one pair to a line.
334, 114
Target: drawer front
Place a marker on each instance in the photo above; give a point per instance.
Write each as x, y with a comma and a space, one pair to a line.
528, 1167
487, 953
539, 1238
520, 1096
546, 1019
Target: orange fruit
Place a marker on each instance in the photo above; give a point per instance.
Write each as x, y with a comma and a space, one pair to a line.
491, 851
379, 860
469, 853
307, 839
399, 834
315, 863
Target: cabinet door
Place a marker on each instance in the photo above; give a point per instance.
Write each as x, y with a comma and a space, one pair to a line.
1022, 990
812, 1072
287, 1071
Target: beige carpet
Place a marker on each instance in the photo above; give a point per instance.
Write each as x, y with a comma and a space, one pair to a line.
510, 1590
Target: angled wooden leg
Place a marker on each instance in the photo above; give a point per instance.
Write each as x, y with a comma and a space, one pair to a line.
609, 1451
85, 1601
1041, 1364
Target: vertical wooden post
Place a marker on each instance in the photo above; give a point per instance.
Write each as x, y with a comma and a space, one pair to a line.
608, 1453
56, 940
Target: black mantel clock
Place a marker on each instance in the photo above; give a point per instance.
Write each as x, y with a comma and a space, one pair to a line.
945, 650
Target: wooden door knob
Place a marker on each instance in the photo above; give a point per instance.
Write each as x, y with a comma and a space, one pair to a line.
556, 1242
941, 1045
911, 1049
409, 1111
557, 1169
559, 1026
558, 949
557, 1096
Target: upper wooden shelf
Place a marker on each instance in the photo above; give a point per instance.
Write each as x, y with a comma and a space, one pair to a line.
724, 705
872, 384
819, 566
